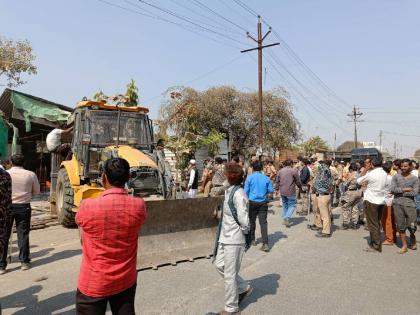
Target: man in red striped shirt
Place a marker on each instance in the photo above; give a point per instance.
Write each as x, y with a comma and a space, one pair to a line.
110, 226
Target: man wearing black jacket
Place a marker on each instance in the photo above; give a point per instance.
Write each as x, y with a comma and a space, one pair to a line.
305, 177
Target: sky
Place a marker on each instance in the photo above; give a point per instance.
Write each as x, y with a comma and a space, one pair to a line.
362, 52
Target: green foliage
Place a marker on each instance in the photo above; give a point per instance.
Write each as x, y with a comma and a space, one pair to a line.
100, 96
182, 147
131, 97
16, 58
212, 142
132, 94
314, 145
230, 112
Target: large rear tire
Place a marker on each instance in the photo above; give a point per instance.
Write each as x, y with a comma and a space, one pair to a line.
65, 199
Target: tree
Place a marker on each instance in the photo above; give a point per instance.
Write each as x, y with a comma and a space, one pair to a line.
314, 145
130, 98
417, 153
100, 96
132, 94
230, 112
347, 146
212, 142
16, 59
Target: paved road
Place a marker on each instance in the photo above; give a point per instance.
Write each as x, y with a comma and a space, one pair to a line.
301, 275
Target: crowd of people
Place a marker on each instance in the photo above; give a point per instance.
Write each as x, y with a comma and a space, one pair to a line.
379, 195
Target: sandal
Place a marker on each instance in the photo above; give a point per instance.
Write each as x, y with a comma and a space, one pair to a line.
402, 251
370, 250
388, 243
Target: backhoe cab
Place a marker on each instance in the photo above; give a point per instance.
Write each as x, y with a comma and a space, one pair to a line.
102, 131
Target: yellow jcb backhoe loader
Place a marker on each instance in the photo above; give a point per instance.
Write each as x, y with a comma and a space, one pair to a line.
175, 229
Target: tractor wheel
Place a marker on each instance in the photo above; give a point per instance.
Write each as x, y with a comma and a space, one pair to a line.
65, 198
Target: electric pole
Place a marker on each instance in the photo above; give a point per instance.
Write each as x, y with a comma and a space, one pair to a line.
260, 39
355, 115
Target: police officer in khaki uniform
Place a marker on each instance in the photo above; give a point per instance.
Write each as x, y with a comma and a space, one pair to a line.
350, 199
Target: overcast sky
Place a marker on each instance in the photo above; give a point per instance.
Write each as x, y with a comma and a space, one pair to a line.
366, 52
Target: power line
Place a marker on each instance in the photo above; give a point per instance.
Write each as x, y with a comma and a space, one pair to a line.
322, 114
219, 25
224, 65
219, 15
236, 12
246, 8
401, 134
295, 56
189, 21
156, 17
315, 77
331, 107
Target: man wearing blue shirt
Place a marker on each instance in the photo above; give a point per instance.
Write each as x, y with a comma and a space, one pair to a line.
257, 188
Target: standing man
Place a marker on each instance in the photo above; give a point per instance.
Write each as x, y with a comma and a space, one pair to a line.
305, 178
405, 187
286, 182
374, 177
218, 179
388, 218
351, 198
193, 182
207, 177
5, 216
321, 201
164, 168
25, 185
334, 173
231, 242
110, 226
257, 188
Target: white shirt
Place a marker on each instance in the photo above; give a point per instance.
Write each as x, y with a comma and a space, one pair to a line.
376, 188
192, 175
25, 185
231, 232
415, 173
388, 195
53, 139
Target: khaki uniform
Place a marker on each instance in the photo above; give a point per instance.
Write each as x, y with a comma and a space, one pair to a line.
350, 199
218, 180
322, 212
206, 183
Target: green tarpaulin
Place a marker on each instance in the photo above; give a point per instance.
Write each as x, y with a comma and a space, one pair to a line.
4, 133
38, 109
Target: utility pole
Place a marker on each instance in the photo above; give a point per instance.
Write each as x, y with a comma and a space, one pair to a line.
260, 39
355, 115
335, 139
380, 140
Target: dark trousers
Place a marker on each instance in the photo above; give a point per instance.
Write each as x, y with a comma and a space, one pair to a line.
121, 303
259, 209
373, 214
21, 214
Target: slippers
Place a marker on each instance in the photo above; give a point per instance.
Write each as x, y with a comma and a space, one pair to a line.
370, 250
402, 251
387, 243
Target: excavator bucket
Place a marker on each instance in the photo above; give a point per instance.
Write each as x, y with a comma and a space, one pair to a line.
177, 231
